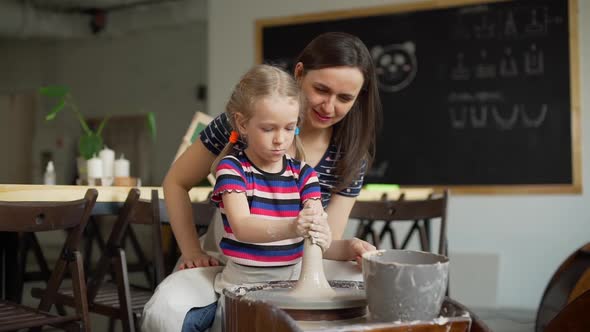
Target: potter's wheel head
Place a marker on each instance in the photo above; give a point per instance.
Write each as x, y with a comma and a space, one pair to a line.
340, 298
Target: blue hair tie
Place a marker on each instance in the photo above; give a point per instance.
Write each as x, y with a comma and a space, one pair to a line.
296, 131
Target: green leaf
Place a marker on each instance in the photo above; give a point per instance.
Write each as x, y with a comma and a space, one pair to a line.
101, 125
56, 109
89, 145
151, 119
54, 91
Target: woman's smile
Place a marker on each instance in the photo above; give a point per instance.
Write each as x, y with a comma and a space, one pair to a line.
322, 118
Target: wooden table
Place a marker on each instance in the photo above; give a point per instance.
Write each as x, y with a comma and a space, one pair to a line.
26, 192
110, 199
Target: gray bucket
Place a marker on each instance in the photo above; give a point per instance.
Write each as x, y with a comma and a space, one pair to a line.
404, 285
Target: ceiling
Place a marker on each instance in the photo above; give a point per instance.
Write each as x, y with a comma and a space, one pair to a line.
83, 5
63, 19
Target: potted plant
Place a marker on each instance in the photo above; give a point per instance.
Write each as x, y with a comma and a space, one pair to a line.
90, 143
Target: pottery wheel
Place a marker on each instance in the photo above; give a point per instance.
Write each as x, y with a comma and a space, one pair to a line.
342, 298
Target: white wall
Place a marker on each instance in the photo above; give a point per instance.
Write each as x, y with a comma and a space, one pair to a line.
521, 239
151, 70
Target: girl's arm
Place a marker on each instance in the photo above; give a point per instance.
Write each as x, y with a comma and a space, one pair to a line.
256, 229
187, 171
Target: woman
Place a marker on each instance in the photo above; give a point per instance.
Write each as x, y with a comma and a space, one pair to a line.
337, 77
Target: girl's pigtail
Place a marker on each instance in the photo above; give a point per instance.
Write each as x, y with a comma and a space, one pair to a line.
233, 139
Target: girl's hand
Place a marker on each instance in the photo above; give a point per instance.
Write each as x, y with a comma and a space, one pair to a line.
358, 247
320, 231
313, 222
197, 260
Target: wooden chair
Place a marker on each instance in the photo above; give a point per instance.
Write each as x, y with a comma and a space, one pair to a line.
47, 216
574, 317
571, 279
117, 298
419, 212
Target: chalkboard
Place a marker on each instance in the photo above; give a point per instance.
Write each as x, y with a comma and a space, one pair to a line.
480, 96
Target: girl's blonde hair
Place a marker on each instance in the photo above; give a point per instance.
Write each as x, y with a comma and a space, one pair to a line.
259, 82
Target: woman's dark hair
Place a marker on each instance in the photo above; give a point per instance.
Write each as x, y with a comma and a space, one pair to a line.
356, 134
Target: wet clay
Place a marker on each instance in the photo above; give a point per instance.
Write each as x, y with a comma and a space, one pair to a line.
312, 291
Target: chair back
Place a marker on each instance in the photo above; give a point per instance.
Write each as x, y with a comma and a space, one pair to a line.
432, 207
133, 211
47, 216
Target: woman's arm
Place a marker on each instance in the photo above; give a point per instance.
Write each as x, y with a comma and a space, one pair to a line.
187, 171
338, 211
343, 250
348, 250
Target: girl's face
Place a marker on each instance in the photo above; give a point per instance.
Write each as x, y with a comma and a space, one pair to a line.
331, 92
270, 131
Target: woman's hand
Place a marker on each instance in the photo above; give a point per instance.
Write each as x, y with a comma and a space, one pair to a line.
358, 247
197, 260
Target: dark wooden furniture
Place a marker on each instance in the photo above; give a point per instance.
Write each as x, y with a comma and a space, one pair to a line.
571, 279
574, 317
272, 318
245, 315
47, 216
420, 212
117, 298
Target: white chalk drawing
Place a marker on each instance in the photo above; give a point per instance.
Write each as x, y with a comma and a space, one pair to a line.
478, 116
533, 122
460, 72
508, 66
505, 123
396, 65
533, 61
510, 25
485, 69
484, 30
458, 117
537, 25
478, 97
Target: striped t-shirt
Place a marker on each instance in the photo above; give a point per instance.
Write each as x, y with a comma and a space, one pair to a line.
273, 196
216, 136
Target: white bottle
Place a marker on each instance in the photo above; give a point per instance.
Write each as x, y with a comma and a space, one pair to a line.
49, 176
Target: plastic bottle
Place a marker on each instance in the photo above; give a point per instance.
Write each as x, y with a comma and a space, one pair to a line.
49, 176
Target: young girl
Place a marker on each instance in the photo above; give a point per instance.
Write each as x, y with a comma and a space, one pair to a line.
341, 112
261, 190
